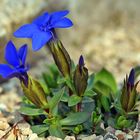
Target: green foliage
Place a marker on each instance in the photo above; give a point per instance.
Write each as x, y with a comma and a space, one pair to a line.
123, 122
31, 110
107, 79
73, 118
76, 102
39, 129
73, 100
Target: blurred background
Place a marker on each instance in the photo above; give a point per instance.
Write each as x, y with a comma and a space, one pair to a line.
105, 32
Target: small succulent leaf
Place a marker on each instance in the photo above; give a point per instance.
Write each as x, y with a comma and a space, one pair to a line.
54, 111
56, 130
90, 93
122, 122
102, 89
55, 99
73, 100
61, 80
53, 69
120, 119
49, 121
106, 78
75, 118
137, 71
65, 97
90, 82
69, 84
98, 119
48, 79
31, 111
45, 87
76, 130
39, 129
105, 103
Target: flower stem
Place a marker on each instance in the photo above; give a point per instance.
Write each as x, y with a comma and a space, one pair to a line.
79, 107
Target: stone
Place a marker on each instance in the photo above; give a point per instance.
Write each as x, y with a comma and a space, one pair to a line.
110, 136
99, 138
33, 137
24, 128
3, 124
110, 129
2, 133
120, 135
136, 136
3, 107
91, 137
129, 137
69, 138
53, 138
137, 129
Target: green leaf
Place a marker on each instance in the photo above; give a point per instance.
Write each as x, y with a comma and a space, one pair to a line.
39, 129
31, 111
122, 122
49, 79
90, 93
73, 100
75, 118
90, 82
105, 103
102, 89
106, 78
56, 130
61, 80
137, 71
53, 102
65, 97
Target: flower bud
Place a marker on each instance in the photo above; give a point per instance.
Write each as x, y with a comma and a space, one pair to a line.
35, 93
129, 92
80, 77
61, 57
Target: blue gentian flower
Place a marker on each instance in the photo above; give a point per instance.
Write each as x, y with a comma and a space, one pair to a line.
41, 30
16, 63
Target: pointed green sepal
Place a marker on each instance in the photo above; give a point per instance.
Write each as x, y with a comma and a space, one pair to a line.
35, 93
61, 57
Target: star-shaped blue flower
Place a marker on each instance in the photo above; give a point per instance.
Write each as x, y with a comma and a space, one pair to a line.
16, 63
41, 30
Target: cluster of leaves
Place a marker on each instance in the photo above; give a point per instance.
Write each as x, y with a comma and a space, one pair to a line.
100, 103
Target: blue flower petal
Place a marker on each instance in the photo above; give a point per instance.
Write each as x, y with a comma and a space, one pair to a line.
26, 31
11, 55
58, 15
40, 39
41, 20
5, 70
22, 53
63, 23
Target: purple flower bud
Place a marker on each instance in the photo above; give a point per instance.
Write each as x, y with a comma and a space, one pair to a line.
131, 78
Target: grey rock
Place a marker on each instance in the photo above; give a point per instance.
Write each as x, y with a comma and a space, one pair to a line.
69, 138
110, 136
99, 138
92, 137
